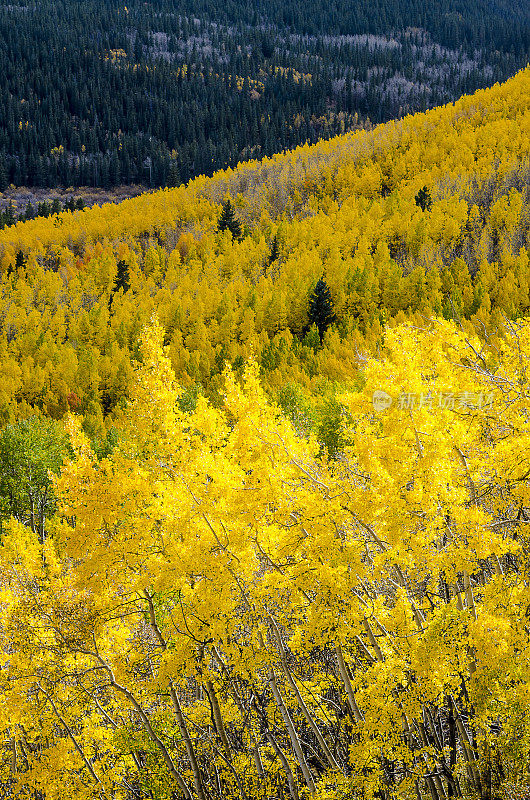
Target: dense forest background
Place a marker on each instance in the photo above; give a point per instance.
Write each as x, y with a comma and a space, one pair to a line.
101, 93
418, 218
264, 476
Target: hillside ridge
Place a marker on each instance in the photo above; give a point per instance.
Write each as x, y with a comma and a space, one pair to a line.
347, 210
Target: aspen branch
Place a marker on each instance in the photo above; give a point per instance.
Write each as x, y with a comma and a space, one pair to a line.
343, 670
147, 725
71, 735
303, 707
197, 777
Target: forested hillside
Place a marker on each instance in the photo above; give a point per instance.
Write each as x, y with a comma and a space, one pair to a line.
424, 216
264, 476
103, 93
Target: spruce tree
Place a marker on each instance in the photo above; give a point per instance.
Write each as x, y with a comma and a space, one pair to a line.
20, 261
229, 221
173, 174
423, 199
9, 214
321, 308
275, 251
122, 278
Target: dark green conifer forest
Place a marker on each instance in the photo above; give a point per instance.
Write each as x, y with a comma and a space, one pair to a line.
102, 93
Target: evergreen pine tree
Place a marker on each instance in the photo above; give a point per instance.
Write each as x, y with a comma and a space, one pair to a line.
9, 214
20, 261
174, 174
121, 281
122, 278
275, 251
229, 221
29, 212
423, 199
321, 308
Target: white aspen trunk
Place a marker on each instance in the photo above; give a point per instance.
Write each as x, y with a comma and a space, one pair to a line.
219, 724
467, 749
148, 727
497, 566
197, 777
470, 600
285, 764
305, 711
295, 741
239, 703
343, 670
373, 641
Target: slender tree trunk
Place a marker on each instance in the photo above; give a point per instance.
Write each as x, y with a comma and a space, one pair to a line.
291, 730
285, 764
239, 703
197, 777
303, 707
343, 670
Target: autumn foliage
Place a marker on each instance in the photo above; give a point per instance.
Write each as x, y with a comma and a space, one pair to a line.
343, 210
271, 558
219, 613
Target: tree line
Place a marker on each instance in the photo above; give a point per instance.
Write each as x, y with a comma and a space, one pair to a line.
8, 216
189, 90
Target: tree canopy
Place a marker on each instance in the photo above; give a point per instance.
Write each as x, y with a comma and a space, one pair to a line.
321, 311
31, 451
183, 90
221, 613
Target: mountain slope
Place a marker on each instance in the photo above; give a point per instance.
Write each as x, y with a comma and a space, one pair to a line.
102, 93
205, 598
346, 209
